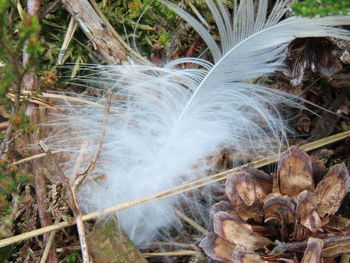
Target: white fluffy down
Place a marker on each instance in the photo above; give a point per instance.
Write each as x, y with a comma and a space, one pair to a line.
163, 120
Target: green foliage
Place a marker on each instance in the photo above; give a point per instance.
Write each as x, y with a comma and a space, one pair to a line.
53, 31
20, 121
10, 187
311, 8
151, 25
14, 38
71, 258
152, 21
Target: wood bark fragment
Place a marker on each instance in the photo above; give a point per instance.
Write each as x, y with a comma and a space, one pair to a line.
97, 31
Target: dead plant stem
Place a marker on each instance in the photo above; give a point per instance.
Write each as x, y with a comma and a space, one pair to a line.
168, 193
73, 203
282, 247
94, 159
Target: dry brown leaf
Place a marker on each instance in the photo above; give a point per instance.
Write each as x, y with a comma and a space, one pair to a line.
294, 173
246, 257
217, 248
331, 190
236, 231
313, 250
279, 209
306, 212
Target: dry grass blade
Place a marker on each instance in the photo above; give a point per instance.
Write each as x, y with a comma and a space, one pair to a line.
171, 192
172, 253
34, 100
69, 98
67, 39
48, 245
93, 161
34, 157
73, 204
191, 222
94, 28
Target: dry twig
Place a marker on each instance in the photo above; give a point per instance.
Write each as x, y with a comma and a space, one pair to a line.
48, 245
94, 159
292, 246
73, 204
191, 222
29, 84
96, 30
168, 193
67, 39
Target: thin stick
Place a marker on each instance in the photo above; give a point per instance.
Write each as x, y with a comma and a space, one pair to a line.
182, 252
73, 204
33, 157
51, 7
282, 247
64, 97
96, 30
4, 125
67, 39
198, 14
191, 222
93, 161
172, 253
48, 245
77, 164
61, 97
30, 84
168, 193
34, 100
6, 140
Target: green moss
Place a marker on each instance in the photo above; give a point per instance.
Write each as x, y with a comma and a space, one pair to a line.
311, 8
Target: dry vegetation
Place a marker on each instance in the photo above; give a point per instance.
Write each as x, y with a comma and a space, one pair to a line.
299, 213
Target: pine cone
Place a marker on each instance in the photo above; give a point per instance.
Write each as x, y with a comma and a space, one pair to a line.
282, 217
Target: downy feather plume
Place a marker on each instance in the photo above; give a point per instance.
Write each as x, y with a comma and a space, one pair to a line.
165, 121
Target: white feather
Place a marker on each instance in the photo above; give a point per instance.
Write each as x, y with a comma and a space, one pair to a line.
164, 120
